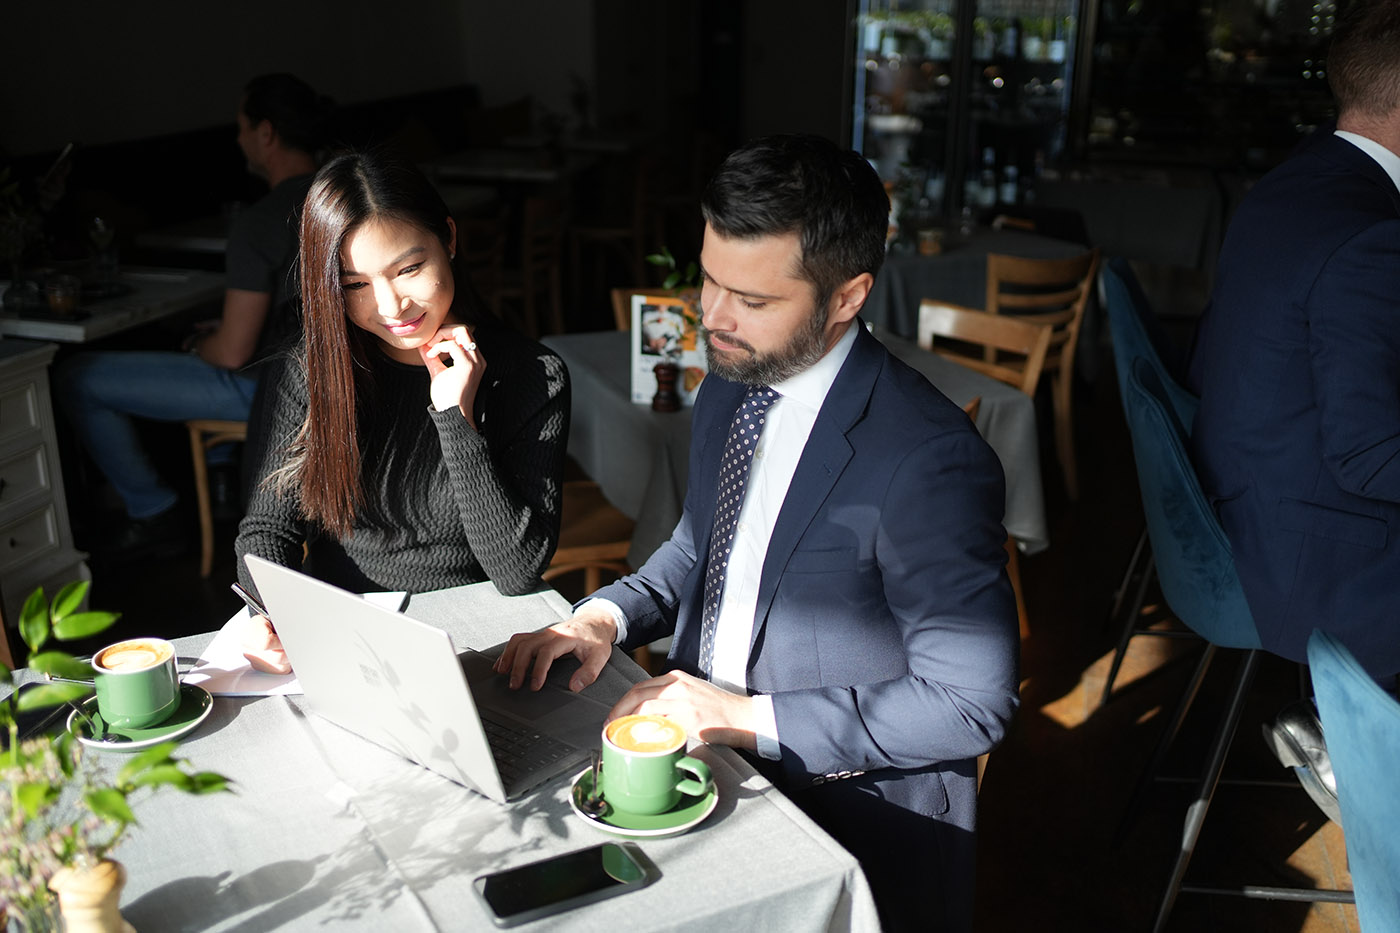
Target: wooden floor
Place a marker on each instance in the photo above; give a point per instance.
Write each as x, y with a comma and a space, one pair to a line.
1055, 792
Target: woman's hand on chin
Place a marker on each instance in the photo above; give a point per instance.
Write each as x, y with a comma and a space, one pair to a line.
455, 384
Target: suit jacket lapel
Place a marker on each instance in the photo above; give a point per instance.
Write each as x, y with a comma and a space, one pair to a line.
822, 462
1342, 152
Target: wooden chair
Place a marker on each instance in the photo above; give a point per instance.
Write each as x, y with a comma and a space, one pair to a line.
971, 330
206, 433
481, 252
625, 238
593, 537
537, 281
1053, 292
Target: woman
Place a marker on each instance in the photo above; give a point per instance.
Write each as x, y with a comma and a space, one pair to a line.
412, 443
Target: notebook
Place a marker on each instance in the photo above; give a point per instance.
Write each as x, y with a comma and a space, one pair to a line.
400, 683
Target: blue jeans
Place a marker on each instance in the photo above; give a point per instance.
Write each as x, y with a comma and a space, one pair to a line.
101, 393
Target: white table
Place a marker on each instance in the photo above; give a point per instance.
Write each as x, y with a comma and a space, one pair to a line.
155, 294
640, 458
329, 831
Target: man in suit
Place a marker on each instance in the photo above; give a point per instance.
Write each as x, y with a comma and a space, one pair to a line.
1297, 363
845, 618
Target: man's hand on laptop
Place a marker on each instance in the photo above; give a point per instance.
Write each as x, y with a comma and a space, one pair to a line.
263, 648
588, 635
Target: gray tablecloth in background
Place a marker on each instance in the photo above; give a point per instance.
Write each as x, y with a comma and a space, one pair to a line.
640, 457
328, 831
958, 275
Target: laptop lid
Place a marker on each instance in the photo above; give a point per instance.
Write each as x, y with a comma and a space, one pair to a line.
399, 683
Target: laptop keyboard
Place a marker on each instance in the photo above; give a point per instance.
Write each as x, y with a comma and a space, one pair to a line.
519, 750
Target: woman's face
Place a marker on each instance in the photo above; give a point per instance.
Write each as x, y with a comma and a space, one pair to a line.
397, 280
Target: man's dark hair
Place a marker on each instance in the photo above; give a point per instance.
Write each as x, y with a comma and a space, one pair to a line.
832, 199
296, 112
1363, 64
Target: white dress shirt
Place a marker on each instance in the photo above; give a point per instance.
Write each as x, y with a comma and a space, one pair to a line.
787, 426
1383, 156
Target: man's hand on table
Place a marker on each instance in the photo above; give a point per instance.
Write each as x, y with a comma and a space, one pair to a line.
706, 712
588, 635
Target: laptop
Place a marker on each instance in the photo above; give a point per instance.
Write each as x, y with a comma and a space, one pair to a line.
400, 683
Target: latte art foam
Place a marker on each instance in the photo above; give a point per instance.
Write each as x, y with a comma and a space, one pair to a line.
133, 655
645, 734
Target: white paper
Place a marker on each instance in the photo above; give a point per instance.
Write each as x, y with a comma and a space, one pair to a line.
224, 672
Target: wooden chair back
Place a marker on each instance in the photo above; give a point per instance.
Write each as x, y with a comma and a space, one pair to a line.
1054, 292
1021, 344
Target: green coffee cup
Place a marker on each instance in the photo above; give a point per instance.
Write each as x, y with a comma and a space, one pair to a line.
645, 768
137, 684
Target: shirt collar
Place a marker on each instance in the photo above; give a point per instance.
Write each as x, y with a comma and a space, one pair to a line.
1383, 156
812, 384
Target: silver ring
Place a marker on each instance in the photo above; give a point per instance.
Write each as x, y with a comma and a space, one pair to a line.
469, 345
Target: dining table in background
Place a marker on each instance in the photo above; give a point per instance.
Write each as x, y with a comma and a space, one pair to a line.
640, 457
506, 166
146, 295
957, 275
328, 830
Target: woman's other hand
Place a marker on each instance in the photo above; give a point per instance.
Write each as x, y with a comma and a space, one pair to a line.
455, 384
263, 648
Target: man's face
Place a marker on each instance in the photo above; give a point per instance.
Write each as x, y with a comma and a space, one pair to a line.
759, 321
249, 143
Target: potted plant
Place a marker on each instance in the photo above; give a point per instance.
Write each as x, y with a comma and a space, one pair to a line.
61, 814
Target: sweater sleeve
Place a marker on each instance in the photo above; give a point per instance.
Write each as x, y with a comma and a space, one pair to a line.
506, 479
272, 526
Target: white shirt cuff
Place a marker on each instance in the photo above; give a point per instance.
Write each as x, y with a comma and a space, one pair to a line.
766, 727
618, 616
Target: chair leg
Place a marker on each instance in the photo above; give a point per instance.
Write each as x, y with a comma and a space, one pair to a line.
1196, 813
1133, 568
1013, 570
1129, 628
201, 494
1064, 433
1164, 744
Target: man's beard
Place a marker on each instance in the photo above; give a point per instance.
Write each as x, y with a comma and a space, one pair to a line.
804, 348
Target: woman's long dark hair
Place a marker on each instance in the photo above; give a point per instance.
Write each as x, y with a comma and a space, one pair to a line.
324, 460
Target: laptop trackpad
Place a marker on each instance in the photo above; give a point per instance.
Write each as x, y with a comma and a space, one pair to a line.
492, 691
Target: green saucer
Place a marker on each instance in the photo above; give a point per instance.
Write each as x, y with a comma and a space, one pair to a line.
684, 816
194, 708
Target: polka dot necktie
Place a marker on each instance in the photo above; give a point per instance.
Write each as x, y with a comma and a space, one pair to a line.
733, 479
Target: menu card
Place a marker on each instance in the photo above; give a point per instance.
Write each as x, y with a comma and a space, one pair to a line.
666, 327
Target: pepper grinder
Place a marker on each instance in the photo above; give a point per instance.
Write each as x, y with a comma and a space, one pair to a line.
666, 397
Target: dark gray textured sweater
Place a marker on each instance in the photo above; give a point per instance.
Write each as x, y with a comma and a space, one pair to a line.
444, 505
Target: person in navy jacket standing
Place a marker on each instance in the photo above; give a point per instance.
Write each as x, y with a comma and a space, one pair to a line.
836, 586
1297, 363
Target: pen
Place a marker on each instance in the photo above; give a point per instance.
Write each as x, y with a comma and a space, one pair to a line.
258, 609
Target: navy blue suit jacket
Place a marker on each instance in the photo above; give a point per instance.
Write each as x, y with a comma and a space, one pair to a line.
885, 629
1297, 364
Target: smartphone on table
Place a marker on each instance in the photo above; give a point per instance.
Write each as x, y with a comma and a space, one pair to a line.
563, 882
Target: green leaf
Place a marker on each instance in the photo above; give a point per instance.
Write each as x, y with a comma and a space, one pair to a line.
109, 803
67, 760
155, 755
691, 270
83, 624
207, 782
34, 620
34, 795
656, 259
671, 281
61, 664
165, 775
47, 695
69, 599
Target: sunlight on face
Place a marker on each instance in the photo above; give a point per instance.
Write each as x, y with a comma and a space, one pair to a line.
398, 284
760, 323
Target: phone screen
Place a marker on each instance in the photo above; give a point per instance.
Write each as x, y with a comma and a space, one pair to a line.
554, 884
